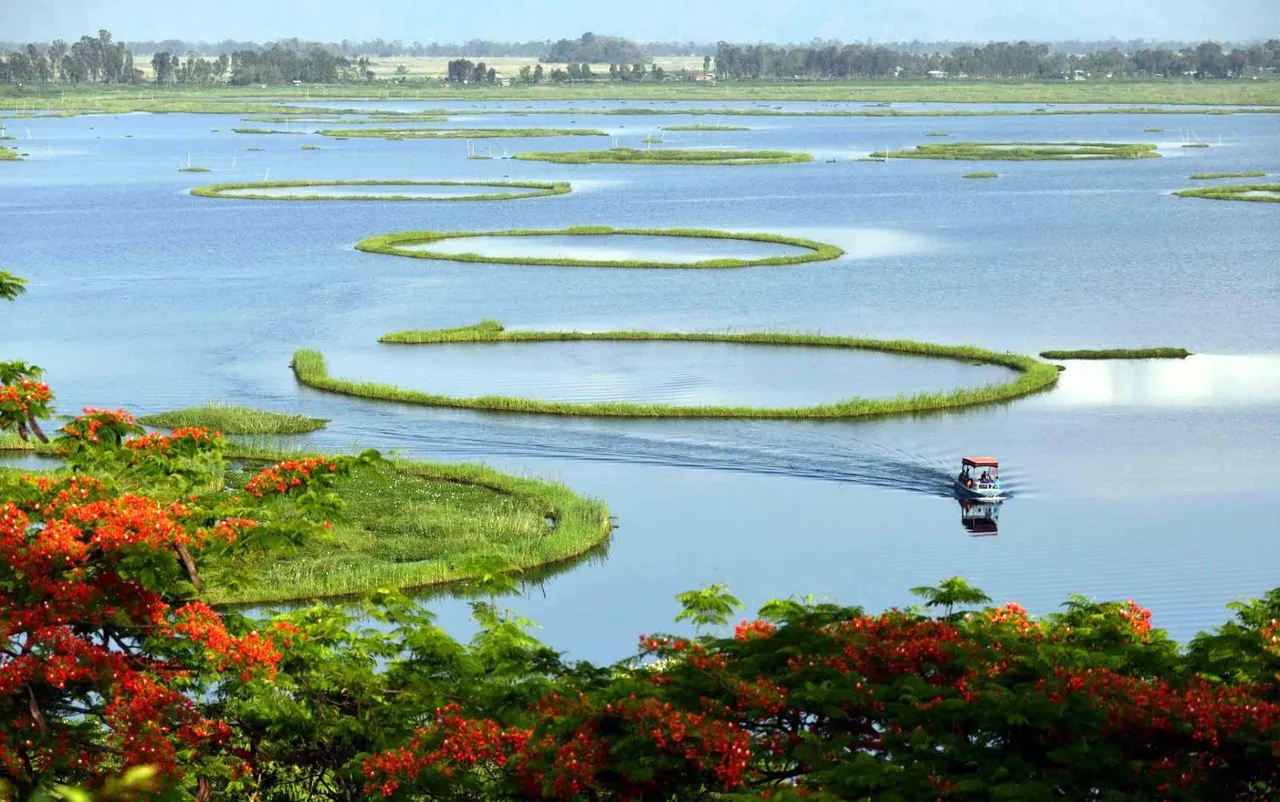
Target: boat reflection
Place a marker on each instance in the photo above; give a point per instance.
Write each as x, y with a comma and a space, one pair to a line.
980, 518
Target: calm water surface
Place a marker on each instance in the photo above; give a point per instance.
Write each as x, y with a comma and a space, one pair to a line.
1156, 481
611, 248
428, 191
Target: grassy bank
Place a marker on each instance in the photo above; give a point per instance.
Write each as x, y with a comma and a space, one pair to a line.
1119, 353
262, 100
235, 420
981, 174
1033, 376
674, 156
1268, 193
415, 524
1208, 176
1024, 151
456, 133
395, 245
706, 128
540, 189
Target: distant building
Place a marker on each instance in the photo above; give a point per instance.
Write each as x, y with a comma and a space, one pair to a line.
704, 77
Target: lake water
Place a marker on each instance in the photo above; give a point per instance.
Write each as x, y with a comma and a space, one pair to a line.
611, 248
1152, 481
409, 190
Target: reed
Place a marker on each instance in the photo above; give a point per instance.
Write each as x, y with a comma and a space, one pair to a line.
395, 245
982, 174
1033, 376
1263, 193
414, 524
674, 156
1246, 174
456, 133
235, 420
1025, 151
540, 189
1119, 353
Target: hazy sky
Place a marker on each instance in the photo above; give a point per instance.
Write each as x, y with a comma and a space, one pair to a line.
699, 20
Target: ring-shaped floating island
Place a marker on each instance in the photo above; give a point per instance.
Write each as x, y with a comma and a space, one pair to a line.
672, 156
405, 243
1264, 193
455, 133
1033, 376
1024, 151
247, 191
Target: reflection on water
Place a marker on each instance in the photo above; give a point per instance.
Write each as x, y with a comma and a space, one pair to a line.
980, 517
1198, 380
611, 248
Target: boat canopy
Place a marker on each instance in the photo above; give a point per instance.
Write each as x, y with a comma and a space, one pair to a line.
980, 462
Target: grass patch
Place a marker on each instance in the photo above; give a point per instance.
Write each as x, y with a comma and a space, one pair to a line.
652, 140
674, 156
309, 147
235, 420
1025, 151
937, 133
1265, 193
982, 174
191, 169
1119, 353
1247, 174
1153, 130
541, 189
706, 128
394, 244
456, 133
8, 155
1196, 145
266, 131
1033, 376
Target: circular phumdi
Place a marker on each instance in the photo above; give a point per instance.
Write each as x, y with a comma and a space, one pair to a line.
685, 246
1266, 193
384, 190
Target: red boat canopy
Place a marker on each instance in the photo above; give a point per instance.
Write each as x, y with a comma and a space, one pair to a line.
980, 462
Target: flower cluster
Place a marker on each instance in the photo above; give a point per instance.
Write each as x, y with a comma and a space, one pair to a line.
23, 395
285, 476
94, 424
186, 438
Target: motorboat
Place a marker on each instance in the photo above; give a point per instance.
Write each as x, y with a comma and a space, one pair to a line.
979, 478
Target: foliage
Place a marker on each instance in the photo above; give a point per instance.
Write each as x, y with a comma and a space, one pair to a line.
1034, 376
408, 243
542, 189
673, 156
592, 49
234, 420
1025, 151
1265, 193
24, 399
1119, 353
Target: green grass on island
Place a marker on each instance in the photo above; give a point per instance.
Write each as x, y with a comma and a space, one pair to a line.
1264, 193
8, 155
1207, 176
398, 244
309, 147
673, 156
982, 174
1025, 151
266, 131
412, 524
540, 189
191, 169
455, 133
937, 133
1153, 130
1119, 353
235, 420
706, 128
1032, 376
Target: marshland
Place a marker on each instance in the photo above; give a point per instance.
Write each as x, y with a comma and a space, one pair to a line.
1053, 253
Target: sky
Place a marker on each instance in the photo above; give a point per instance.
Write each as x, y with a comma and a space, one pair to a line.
647, 20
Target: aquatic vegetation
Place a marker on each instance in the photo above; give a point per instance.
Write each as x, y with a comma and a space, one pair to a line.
398, 244
1196, 145
236, 420
8, 155
1265, 193
1119, 353
309, 147
982, 174
1026, 151
674, 156
1033, 376
937, 133
192, 169
1247, 174
540, 189
254, 150
266, 131
456, 133
415, 524
706, 128
652, 140
1153, 130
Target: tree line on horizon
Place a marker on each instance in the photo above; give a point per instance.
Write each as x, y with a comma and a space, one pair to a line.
102, 60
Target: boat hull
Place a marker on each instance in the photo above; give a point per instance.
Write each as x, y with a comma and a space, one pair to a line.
979, 491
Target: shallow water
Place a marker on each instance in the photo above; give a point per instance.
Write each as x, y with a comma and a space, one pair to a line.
611, 248
410, 190
1151, 480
